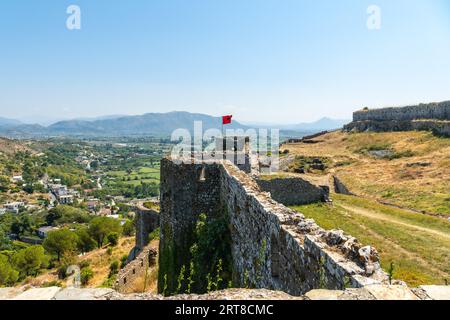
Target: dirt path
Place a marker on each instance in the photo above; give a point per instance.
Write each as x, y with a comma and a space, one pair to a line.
383, 217
425, 264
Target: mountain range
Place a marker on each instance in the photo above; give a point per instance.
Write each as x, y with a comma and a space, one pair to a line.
156, 124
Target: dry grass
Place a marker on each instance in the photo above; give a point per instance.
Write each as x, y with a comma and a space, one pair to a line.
100, 260
419, 178
419, 245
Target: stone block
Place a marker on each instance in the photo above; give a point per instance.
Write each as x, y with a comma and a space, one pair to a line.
83, 294
38, 294
437, 292
391, 292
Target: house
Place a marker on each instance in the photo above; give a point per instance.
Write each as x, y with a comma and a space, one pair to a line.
58, 189
42, 232
92, 204
65, 199
14, 207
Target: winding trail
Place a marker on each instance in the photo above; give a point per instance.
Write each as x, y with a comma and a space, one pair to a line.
383, 217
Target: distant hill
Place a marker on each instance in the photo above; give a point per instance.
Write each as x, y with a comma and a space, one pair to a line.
7, 123
308, 127
155, 124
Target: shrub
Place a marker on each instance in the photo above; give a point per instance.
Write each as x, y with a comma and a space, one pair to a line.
84, 264
113, 268
128, 229
62, 272
86, 275
123, 261
8, 275
154, 235
113, 238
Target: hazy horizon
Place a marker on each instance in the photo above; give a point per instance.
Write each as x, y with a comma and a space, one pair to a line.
269, 61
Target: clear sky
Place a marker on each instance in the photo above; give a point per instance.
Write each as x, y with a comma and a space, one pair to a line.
262, 60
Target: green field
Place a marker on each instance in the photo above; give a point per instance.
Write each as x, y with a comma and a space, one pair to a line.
142, 174
417, 244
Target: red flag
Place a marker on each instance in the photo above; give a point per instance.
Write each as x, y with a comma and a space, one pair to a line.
226, 119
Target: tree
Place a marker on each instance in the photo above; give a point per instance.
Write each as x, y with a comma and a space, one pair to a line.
128, 228
30, 261
101, 227
4, 183
66, 214
21, 225
85, 242
61, 242
8, 276
5, 243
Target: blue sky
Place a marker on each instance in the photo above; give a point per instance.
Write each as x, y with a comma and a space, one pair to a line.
262, 60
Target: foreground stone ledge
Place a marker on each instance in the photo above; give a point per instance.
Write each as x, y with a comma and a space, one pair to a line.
371, 292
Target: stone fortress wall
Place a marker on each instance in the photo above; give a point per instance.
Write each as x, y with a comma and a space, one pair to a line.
142, 256
135, 269
297, 254
432, 116
292, 191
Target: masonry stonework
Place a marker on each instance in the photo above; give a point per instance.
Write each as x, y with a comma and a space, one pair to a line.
273, 247
434, 117
292, 191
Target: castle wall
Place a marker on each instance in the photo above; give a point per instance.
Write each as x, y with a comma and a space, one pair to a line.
135, 270
147, 220
272, 246
292, 191
186, 191
437, 111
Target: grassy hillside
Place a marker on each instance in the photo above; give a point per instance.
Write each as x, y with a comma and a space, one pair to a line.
417, 244
409, 169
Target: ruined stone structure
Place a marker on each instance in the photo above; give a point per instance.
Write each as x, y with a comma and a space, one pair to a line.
135, 269
340, 187
142, 256
147, 220
292, 191
272, 246
433, 116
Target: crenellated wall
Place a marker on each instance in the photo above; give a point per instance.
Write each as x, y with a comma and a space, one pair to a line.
273, 247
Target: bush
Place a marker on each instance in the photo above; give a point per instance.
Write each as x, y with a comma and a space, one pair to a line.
84, 264
86, 275
113, 238
62, 272
128, 229
123, 261
8, 275
30, 261
154, 235
113, 268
